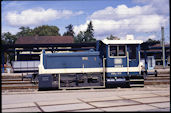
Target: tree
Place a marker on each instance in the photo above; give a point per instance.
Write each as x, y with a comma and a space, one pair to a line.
89, 33
46, 30
43, 30
70, 31
113, 38
151, 42
8, 38
86, 36
25, 31
79, 38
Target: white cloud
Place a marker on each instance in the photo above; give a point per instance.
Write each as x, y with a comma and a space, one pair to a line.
121, 12
123, 20
161, 6
139, 24
37, 16
81, 27
79, 13
145, 38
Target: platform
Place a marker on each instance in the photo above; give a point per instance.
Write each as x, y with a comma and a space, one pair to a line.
149, 98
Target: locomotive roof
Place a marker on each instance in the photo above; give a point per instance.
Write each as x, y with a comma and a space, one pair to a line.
106, 41
85, 53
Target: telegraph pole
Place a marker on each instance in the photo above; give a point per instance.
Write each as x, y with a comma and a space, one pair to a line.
163, 48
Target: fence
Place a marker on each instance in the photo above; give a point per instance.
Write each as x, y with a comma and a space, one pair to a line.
25, 66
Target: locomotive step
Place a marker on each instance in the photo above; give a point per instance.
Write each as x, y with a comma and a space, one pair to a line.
136, 79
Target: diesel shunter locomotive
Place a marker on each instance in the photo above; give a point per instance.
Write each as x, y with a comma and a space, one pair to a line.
114, 63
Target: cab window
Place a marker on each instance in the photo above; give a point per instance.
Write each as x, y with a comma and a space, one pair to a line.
117, 50
121, 51
113, 50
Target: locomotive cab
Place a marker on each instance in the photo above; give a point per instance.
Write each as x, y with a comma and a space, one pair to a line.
123, 63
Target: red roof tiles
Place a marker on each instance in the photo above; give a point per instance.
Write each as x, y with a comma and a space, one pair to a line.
44, 40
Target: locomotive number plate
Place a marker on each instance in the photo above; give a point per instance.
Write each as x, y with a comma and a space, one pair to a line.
117, 61
45, 78
84, 58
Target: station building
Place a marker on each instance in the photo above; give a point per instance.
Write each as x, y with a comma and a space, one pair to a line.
43, 42
154, 53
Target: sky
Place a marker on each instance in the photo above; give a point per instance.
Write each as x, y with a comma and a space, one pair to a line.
141, 18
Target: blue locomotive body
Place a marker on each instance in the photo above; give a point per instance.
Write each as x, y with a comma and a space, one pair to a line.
74, 60
113, 63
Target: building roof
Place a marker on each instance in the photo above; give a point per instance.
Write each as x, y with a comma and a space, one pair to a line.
159, 45
158, 48
44, 40
106, 41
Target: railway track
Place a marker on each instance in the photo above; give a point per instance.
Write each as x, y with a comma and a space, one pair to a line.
16, 82
160, 79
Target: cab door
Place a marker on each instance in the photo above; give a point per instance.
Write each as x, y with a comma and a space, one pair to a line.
116, 60
133, 50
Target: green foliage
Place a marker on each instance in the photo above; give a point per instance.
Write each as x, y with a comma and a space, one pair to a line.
43, 30
46, 30
113, 38
151, 42
79, 38
10, 57
70, 31
25, 31
8, 38
89, 33
86, 36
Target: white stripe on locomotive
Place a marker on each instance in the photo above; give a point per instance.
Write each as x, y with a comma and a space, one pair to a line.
86, 70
